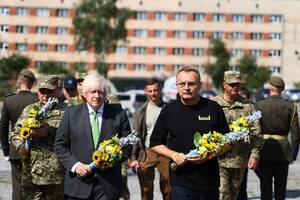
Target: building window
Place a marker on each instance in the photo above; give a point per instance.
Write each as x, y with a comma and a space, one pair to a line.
237, 36
276, 19
275, 36
199, 17
275, 70
62, 64
4, 11
21, 11
237, 52
275, 53
140, 33
121, 49
139, 67
41, 47
176, 67
3, 28
62, 13
61, 47
141, 15
160, 16
256, 36
256, 52
39, 63
22, 29
198, 34
198, 51
217, 35
160, 33
42, 12
179, 34
178, 16
218, 17
238, 18
21, 46
257, 19
61, 30
3, 46
120, 67
159, 67
234, 68
41, 29
178, 51
139, 50
199, 68
160, 51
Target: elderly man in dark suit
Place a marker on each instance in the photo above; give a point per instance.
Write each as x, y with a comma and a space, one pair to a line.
78, 136
13, 106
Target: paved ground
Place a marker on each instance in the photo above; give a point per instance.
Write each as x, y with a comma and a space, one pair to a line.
293, 187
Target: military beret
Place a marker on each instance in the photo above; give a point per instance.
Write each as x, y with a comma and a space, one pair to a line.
232, 77
28, 74
47, 82
277, 82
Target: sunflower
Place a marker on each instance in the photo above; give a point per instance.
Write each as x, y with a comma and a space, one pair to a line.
25, 132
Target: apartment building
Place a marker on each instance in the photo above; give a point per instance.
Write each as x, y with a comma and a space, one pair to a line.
162, 36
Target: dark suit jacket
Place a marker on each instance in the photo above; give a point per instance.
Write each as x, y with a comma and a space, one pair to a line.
13, 106
74, 143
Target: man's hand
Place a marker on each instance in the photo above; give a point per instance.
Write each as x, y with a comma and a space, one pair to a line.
82, 170
41, 132
196, 160
134, 165
252, 163
23, 151
179, 158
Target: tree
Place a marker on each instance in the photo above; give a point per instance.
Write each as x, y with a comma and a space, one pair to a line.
217, 69
52, 68
99, 24
254, 77
12, 65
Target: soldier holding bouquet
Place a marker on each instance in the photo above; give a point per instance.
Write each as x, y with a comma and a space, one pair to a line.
233, 163
42, 175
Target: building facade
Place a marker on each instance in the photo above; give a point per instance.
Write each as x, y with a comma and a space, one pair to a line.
162, 36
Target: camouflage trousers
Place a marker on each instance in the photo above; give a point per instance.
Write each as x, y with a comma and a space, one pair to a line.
230, 182
43, 192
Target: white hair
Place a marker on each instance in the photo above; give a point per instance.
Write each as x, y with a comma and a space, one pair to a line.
93, 81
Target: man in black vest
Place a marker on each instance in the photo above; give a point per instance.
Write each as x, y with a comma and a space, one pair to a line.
13, 106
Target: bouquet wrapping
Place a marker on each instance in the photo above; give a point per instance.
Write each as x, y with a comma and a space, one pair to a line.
111, 151
36, 118
214, 144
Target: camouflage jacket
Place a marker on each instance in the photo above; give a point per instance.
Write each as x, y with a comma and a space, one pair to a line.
237, 156
41, 166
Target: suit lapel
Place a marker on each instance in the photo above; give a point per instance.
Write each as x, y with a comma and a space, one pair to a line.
85, 121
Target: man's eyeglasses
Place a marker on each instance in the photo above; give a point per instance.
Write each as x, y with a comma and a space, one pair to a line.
188, 84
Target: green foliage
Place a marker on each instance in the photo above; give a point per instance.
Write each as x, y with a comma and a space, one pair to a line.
253, 76
100, 24
79, 67
52, 68
297, 84
12, 65
197, 138
217, 69
101, 67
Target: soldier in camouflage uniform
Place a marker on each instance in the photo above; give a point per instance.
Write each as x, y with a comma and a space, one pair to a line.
233, 163
42, 175
79, 78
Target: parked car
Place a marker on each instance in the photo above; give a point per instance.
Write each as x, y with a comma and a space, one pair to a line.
292, 95
131, 100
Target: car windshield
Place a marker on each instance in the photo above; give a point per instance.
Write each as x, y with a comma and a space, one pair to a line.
123, 97
141, 98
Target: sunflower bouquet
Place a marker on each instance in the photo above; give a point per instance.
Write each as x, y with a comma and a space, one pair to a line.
111, 151
36, 117
214, 144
